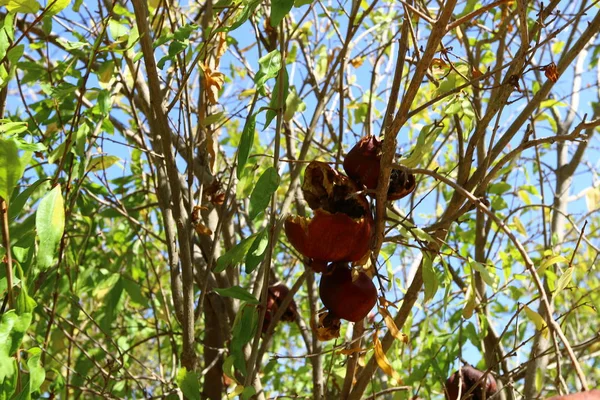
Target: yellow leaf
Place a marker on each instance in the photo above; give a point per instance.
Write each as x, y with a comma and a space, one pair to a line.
537, 320
389, 322
212, 82
592, 198
351, 351
202, 229
382, 360
385, 303
357, 61
471, 303
237, 391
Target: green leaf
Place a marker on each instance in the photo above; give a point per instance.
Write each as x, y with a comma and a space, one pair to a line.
50, 225
244, 328
248, 392
17, 204
499, 187
279, 9
269, 65
246, 142
15, 53
25, 303
237, 292
56, 6
235, 255
12, 331
564, 280
189, 384
117, 30
266, 185
98, 163
22, 6
424, 146
275, 104
551, 261
257, 251
430, 279
485, 273
37, 374
11, 167
293, 104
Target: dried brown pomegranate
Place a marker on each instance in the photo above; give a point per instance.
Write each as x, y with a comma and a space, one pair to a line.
275, 296
344, 297
327, 326
362, 164
470, 377
341, 227
591, 395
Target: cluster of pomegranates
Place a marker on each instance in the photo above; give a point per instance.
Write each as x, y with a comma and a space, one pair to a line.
340, 231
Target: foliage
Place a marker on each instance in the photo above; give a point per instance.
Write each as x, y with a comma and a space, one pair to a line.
151, 151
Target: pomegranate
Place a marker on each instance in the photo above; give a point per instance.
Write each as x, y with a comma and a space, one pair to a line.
275, 296
470, 377
341, 227
329, 237
591, 395
344, 297
362, 164
327, 326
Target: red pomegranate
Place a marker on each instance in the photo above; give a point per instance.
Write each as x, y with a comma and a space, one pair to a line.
341, 227
470, 378
591, 395
346, 298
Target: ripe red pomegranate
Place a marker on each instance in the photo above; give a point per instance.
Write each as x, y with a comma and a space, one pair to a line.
591, 395
362, 164
344, 298
341, 227
470, 377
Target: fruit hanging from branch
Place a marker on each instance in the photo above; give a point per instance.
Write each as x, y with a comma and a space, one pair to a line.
591, 395
346, 296
340, 229
470, 378
275, 296
362, 164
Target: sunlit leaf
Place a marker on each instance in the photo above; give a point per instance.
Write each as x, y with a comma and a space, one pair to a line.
551, 261
430, 279
382, 360
564, 280
537, 320
99, 163
11, 167
23, 6
189, 383
50, 224
391, 325
269, 66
